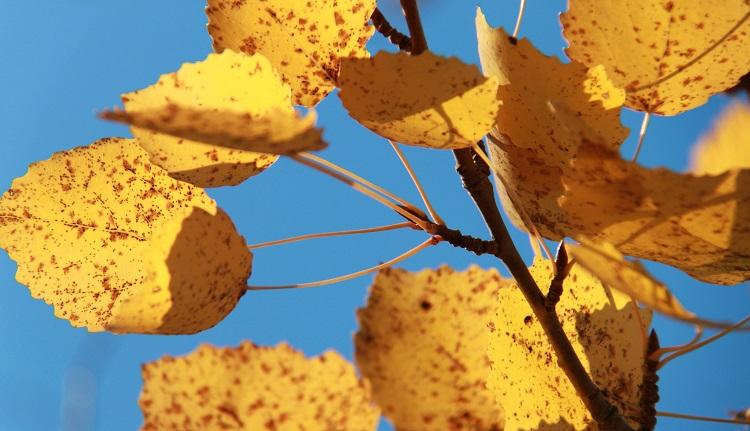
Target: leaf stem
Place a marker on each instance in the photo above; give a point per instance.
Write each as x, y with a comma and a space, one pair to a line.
429, 242
703, 418
331, 234
521, 9
641, 136
404, 161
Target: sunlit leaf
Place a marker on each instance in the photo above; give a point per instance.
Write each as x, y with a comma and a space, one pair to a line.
556, 147
255, 388
424, 100
114, 243
304, 39
603, 328
422, 343
728, 145
221, 113
629, 277
670, 56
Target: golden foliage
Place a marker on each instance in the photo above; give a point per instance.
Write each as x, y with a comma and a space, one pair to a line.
221, 113
556, 148
305, 40
670, 56
252, 388
424, 100
631, 278
727, 147
533, 391
422, 343
112, 242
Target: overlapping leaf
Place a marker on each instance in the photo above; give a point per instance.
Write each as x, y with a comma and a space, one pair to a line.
728, 145
112, 242
424, 100
556, 148
304, 39
422, 343
603, 328
670, 55
630, 278
253, 388
209, 122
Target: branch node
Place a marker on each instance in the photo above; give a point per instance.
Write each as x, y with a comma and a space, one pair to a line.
386, 29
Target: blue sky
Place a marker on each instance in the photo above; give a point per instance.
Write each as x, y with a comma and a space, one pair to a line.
65, 60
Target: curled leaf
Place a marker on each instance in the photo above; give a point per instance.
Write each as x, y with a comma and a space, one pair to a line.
424, 100
556, 147
218, 121
440, 317
670, 56
305, 40
727, 146
113, 243
252, 388
604, 330
629, 277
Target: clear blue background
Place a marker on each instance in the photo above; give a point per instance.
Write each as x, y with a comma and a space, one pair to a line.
64, 60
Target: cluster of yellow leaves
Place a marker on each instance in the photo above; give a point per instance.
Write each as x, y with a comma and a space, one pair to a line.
441, 350
114, 243
255, 388
556, 145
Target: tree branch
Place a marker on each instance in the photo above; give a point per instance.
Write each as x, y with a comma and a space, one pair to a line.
386, 29
477, 183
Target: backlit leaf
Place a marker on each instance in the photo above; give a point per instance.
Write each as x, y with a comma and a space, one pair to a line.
114, 243
556, 146
422, 343
604, 330
631, 278
305, 40
670, 55
255, 388
727, 146
221, 113
424, 100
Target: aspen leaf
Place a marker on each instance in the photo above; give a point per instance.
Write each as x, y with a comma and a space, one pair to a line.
604, 330
631, 278
208, 122
305, 40
556, 147
727, 146
113, 243
440, 317
252, 388
670, 56
424, 100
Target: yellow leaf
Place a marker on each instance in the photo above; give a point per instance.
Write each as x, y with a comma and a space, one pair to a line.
422, 343
670, 56
631, 278
255, 388
424, 100
604, 330
221, 114
114, 243
556, 147
728, 145
304, 39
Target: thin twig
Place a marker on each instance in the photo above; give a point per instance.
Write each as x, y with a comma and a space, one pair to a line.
641, 136
331, 234
409, 215
386, 29
457, 239
708, 340
703, 418
432, 241
404, 161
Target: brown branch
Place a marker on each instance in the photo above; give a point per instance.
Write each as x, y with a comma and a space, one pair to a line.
457, 239
386, 29
556, 285
480, 189
650, 386
477, 183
